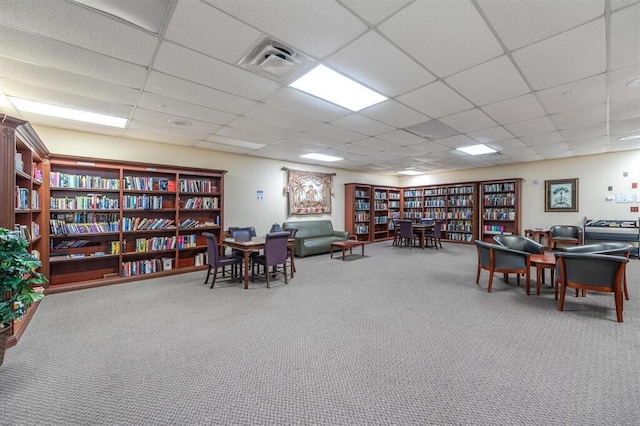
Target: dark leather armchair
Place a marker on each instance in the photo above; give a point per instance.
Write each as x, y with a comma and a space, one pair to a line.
216, 260
518, 242
496, 258
274, 256
593, 272
564, 234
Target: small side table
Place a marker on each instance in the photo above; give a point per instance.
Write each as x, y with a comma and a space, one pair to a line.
542, 262
539, 233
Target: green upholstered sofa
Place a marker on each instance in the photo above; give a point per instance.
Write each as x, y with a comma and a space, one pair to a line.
314, 236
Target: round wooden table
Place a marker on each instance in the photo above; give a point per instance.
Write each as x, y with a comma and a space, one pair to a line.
542, 262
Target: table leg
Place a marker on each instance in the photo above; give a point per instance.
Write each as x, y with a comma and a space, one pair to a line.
293, 265
343, 247
363, 250
246, 270
539, 271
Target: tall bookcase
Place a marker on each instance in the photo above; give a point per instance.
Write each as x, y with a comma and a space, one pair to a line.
357, 206
386, 207
500, 208
22, 154
461, 212
111, 222
413, 204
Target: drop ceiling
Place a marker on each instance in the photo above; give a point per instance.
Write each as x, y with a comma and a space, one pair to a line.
533, 79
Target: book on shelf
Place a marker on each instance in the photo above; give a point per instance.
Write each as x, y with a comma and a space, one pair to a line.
18, 162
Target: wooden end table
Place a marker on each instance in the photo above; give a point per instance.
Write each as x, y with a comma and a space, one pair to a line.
542, 262
348, 244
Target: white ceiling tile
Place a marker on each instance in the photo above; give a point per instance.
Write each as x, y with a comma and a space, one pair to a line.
221, 140
66, 82
278, 117
374, 11
625, 126
189, 65
548, 155
307, 138
199, 26
493, 134
165, 120
584, 132
435, 100
588, 142
80, 126
581, 118
394, 114
513, 110
183, 109
490, 82
590, 150
176, 88
244, 123
618, 80
334, 132
165, 129
212, 146
542, 139
377, 144
617, 4
159, 137
74, 24
430, 147
68, 100
361, 124
624, 110
297, 101
46, 52
531, 127
352, 148
625, 37
316, 28
627, 146
519, 23
469, 121
379, 65
456, 28
246, 135
509, 144
401, 137
575, 95
567, 57
520, 152
457, 141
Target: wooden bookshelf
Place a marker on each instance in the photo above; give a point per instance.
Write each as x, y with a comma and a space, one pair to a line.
500, 211
462, 213
358, 205
22, 154
112, 221
386, 207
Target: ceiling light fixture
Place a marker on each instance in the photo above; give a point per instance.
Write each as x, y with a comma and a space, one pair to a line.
321, 157
476, 149
410, 172
24, 105
629, 138
336, 88
179, 122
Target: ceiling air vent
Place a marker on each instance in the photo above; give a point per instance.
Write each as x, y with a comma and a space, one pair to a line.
274, 59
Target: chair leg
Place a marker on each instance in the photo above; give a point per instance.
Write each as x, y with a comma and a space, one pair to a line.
563, 292
478, 274
208, 272
284, 270
626, 290
215, 274
490, 281
618, 297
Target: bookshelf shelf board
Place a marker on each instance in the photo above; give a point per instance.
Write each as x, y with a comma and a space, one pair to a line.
147, 231
148, 191
199, 210
88, 234
64, 259
91, 190
148, 210
192, 248
142, 253
22, 211
22, 174
198, 228
84, 210
204, 194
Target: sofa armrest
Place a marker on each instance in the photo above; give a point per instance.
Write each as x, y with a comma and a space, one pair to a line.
342, 234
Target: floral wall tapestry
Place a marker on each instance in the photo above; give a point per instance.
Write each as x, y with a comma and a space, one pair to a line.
309, 192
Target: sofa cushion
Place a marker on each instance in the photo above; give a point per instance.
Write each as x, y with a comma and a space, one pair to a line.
311, 228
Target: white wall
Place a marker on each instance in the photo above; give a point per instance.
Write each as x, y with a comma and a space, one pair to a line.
245, 175
595, 173
248, 174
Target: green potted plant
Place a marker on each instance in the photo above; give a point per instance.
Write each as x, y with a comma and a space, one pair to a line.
20, 282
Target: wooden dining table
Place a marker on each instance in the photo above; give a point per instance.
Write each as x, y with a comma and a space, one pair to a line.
249, 246
422, 230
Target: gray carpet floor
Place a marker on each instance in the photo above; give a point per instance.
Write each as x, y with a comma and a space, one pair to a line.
398, 337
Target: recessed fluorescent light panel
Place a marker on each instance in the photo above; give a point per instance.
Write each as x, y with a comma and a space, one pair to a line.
410, 172
336, 88
321, 157
476, 149
24, 105
629, 138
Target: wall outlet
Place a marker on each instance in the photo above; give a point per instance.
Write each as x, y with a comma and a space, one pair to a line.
634, 210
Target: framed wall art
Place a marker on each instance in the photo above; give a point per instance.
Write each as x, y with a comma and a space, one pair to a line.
309, 192
561, 195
